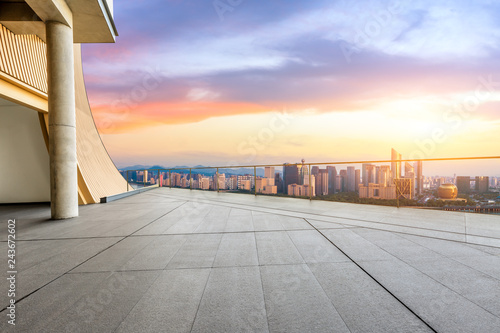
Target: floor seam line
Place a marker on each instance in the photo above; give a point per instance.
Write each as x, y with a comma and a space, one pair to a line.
374, 279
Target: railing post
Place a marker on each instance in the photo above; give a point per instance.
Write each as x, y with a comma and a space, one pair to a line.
255, 180
190, 182
144, 178
217, 175
310, 185
397, 193
170, 178
127, 180
159, 178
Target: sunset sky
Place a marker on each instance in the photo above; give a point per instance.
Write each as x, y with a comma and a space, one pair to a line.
192, 82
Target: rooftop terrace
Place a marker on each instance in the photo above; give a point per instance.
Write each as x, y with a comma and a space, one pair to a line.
173, 260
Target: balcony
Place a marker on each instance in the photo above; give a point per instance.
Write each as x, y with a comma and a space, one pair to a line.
174, 260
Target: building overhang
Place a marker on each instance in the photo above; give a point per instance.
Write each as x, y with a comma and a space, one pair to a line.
92, 20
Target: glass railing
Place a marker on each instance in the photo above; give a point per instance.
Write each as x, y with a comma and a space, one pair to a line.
457, 184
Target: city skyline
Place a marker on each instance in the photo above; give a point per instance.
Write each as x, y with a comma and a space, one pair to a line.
353, 79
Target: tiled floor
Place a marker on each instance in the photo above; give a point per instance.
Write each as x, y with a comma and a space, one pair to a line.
171, 260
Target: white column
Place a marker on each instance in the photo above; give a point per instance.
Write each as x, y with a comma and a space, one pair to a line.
62, 121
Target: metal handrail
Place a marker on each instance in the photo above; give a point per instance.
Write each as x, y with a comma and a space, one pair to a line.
255, 166
340, 162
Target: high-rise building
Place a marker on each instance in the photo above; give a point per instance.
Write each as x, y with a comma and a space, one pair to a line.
351, 179
290, 175
245, 180
419, 178
321, 182
409, 168
205, 183
232, 183
301, 190
395, 166
368, 174
343, 180
364, 174
259, 184
482, 184
278, 181
303, 173
269, 172
384, 176
410, 174
463, 184
222, 181
358, 180
332, 179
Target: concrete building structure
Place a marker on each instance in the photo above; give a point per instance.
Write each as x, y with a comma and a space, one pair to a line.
42, 90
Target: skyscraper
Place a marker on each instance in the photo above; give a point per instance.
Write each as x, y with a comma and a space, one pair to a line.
482, 184
419, 176
332, 179
358, 180
384, 176
410, 174
364, 173
351, 179
290, 175
395, 166
463, 184
321, 182
343, 180
368, 174
269, 172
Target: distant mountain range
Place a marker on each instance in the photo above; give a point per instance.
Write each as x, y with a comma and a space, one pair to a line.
202, 170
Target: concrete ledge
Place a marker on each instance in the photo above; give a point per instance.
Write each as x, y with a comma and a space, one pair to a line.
127, 194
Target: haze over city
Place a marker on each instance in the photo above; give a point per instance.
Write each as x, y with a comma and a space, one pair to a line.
277, 81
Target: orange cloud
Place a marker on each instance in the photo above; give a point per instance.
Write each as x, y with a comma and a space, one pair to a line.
119, 119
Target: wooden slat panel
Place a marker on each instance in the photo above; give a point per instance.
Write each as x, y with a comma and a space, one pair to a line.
101, 178
24, 58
